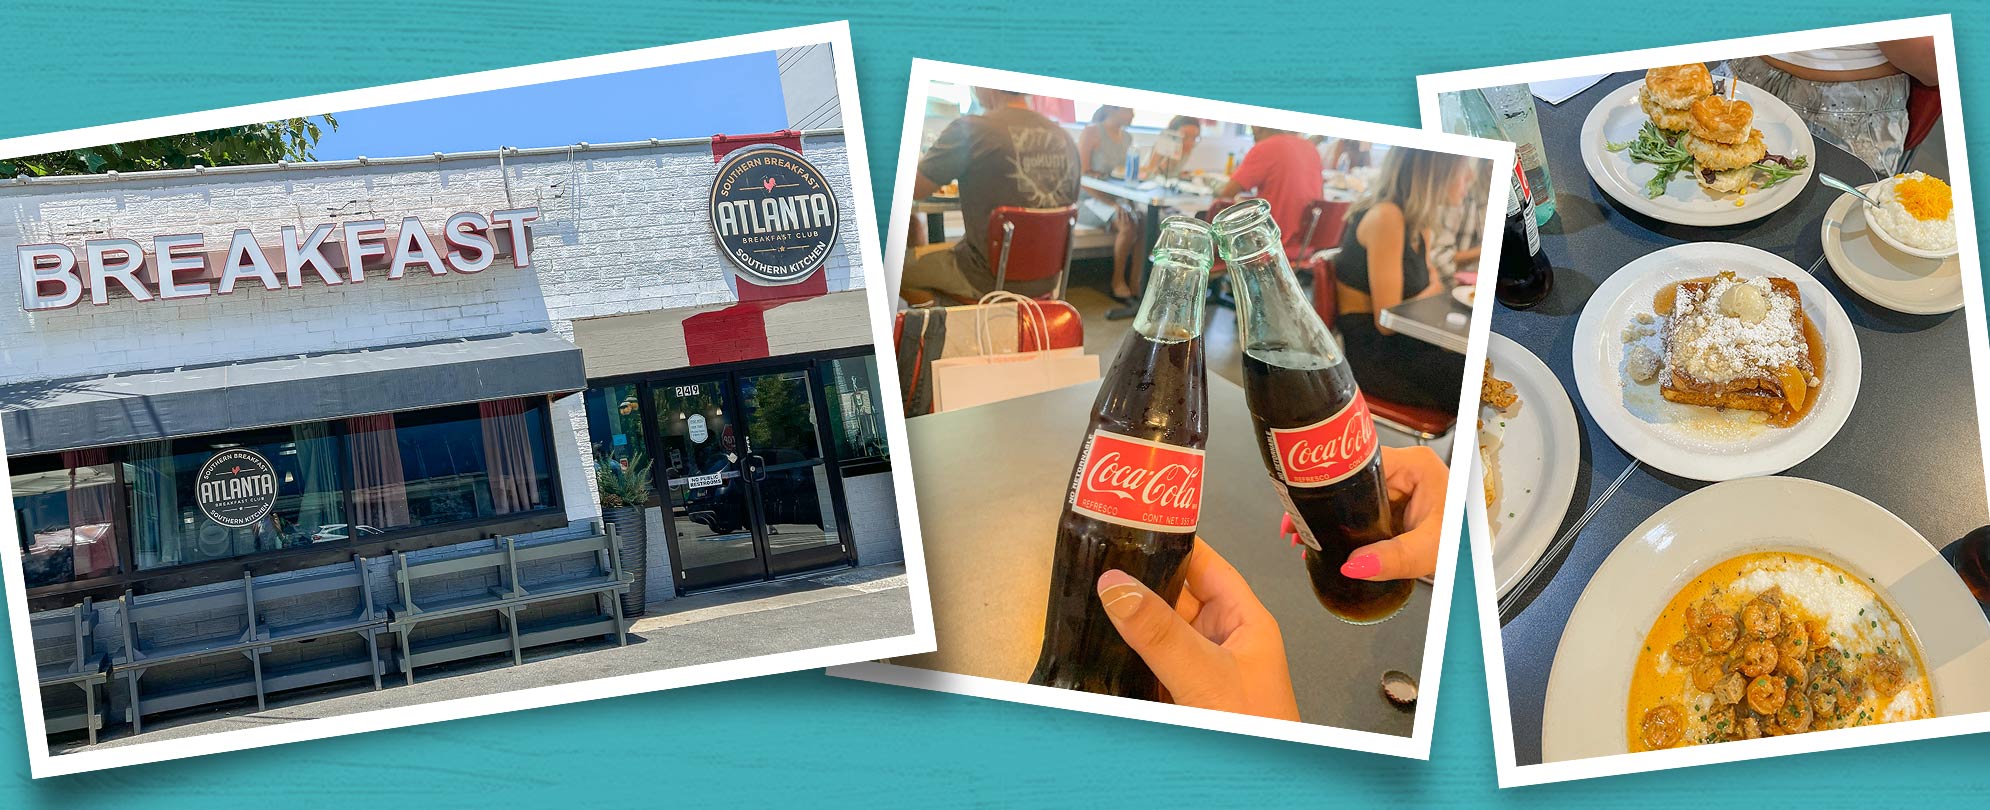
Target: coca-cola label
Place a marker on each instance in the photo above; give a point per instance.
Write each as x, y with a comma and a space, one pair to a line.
1328, 451
1139, 483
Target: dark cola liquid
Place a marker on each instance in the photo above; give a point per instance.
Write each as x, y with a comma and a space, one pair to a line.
1525, 278
1293, 389
1154, 391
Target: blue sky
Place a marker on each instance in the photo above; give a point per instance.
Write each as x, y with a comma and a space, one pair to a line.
732, 95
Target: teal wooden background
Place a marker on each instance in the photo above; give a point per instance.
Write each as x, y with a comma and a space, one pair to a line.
805, 738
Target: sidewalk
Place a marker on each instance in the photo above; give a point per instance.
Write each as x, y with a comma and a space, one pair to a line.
846, 606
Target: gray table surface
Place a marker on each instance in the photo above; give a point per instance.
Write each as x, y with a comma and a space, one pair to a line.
1910, 445
991, 483
1429, 320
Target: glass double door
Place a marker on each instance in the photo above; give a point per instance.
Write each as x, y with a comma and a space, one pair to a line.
743, 476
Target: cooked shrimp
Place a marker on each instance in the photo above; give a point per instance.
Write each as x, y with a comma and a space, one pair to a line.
1721, 632
1766, 695
1887, 674
1761, 619
1795, 643
1758, 658
1700, 616
1828, 698
1795, 717
1662, 726
1708, 673
1818, 635
1793, 669
1689, 650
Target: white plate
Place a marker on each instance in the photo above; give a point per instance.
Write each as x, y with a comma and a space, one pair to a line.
1464, 294
1670, 436
1881, 274
1539, 450
1617, 118
1585, 711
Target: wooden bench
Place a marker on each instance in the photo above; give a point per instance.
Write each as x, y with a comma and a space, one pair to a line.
234, 606
85, 668
366, 621
507, 599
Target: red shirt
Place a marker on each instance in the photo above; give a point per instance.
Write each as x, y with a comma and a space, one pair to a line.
1285, 169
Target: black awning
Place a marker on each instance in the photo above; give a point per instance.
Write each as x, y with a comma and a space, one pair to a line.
44, 417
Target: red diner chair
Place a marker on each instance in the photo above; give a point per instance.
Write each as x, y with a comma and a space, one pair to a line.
1324, 221
1031, 244
1422, 424
1924, 109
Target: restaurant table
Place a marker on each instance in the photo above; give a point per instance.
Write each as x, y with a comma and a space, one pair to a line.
1438, 320
991, 482
1910, 444
1158, 200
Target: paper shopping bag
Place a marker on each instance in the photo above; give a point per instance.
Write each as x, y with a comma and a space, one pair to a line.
969, 381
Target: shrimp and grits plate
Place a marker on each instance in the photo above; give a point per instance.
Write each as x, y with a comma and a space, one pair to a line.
1763, 607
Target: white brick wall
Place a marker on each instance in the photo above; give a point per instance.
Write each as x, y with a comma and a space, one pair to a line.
621, 231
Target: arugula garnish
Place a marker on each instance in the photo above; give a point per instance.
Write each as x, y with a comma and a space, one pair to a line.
1661, 150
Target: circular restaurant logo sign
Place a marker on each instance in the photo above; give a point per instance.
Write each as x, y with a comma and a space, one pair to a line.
773, 213
236, 488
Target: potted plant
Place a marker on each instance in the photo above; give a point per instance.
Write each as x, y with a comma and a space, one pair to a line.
624, 486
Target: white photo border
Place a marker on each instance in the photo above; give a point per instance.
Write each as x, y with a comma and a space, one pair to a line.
837, 35
1415, 746
1939, 27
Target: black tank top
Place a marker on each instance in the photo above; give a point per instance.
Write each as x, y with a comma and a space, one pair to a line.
1352, 265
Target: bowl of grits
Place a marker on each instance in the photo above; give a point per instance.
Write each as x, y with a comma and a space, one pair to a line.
1915, 215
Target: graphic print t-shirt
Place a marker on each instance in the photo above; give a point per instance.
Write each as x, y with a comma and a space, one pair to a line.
1005, 156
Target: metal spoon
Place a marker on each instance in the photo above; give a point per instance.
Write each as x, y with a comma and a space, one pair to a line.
1848, 188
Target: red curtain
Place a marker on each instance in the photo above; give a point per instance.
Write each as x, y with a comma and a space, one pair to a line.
92, 507
508, 455
379, 487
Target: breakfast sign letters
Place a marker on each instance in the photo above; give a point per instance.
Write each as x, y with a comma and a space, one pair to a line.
774, 214
188, 265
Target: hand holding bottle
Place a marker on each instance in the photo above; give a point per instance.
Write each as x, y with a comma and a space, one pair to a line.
1217, 647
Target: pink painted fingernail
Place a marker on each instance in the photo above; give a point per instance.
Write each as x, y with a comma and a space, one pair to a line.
1285, 524
1120, 594
1362, 566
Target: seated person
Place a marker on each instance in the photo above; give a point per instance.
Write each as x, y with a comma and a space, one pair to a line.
1384, 260
1171, 150
1007, 155
1284, 168
1102, 149
1857, 93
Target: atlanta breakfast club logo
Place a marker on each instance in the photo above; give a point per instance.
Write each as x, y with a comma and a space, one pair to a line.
236, 488
773, 213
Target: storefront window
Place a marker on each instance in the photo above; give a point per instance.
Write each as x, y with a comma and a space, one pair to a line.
222, 496
615, 425
171, 526
65, 512
851, 386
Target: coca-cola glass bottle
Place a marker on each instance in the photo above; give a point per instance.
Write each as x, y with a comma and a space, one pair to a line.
1313, 427
1136, 490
